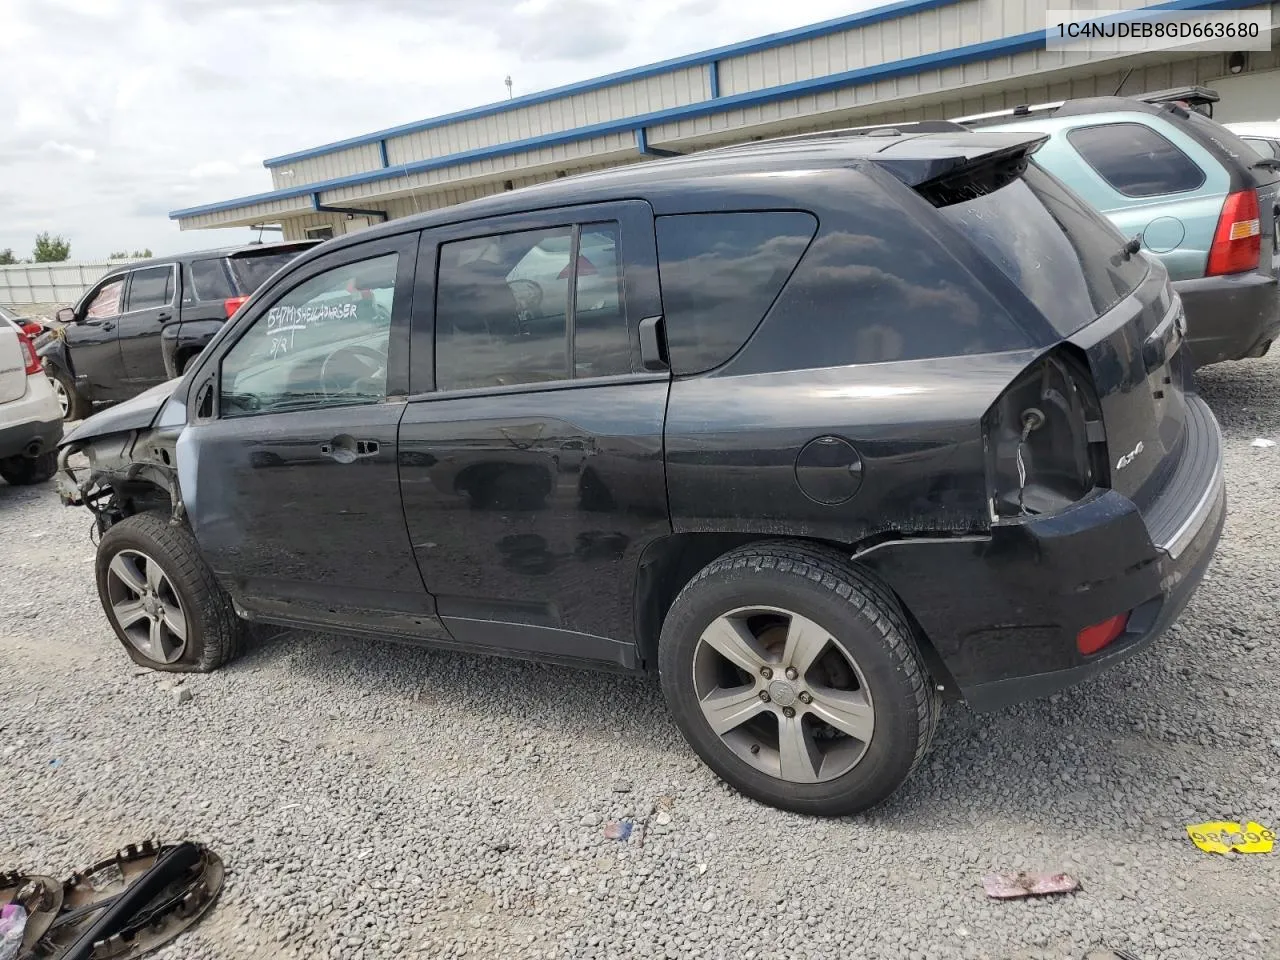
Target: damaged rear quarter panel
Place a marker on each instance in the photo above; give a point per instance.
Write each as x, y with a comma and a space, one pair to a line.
732, 444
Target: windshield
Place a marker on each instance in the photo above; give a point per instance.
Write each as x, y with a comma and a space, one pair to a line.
1067, 259
253, 270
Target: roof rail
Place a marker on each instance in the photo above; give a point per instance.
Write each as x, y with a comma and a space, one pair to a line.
997, 116
872, 130
1189, 95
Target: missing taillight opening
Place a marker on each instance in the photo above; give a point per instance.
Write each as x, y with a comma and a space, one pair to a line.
1044, 440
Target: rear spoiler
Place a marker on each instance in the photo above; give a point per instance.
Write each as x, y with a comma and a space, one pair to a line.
944, 180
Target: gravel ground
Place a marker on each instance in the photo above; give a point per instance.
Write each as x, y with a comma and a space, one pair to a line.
378, 800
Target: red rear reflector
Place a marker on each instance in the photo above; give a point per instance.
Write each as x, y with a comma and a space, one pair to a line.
32, 329
234, 304
1237, 243
29, 354
1092, 639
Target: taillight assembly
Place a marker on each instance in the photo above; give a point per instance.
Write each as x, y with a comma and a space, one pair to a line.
32, 329
1237, 242
1044, 441
30, 359
232, 304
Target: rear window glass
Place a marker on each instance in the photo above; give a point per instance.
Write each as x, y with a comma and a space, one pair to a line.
253, 270
1062, 255
720, 272
211, 280
1264, 148
1136, 160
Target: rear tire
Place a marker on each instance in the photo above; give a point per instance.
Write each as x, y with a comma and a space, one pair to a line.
824, 705
161, 598
74, 407
23, 471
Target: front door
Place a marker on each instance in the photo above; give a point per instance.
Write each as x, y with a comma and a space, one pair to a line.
290, 478
531, 464
93, 343
150, 304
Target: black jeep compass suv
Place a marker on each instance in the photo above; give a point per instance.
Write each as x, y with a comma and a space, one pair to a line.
823, 430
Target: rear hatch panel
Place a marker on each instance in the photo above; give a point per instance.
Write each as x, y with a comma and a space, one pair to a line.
13, 365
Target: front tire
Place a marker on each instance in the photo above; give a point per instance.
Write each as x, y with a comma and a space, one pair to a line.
73, 405
161, 598
795, 677
23, 471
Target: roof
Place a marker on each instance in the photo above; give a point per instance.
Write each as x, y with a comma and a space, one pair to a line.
1269, 129
752, 169
191, 255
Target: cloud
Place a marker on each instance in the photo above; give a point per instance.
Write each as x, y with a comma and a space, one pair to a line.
117, 111
83, 154
213, 170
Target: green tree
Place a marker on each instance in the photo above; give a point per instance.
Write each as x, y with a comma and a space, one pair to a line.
50, 249
118, 255
7, 257
143, 254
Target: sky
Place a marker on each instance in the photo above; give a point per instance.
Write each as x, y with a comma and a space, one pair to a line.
114, 112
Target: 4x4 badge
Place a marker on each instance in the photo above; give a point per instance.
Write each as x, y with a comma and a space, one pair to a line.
1129, 457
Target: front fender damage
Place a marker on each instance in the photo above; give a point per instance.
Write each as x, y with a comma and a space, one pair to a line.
124, 473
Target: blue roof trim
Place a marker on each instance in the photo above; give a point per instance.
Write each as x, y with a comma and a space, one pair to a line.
891, 11
961, 55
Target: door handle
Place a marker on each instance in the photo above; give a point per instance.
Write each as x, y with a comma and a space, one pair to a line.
165, 315
347, 449
653, 344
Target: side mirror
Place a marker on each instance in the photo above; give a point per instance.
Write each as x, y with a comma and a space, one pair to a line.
65, 315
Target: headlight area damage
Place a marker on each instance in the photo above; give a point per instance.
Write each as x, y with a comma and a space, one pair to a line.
126, 474
132, 454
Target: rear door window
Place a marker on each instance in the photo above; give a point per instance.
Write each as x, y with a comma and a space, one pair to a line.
1136, 160
720, 273
150, 288
1062, 255
534, 306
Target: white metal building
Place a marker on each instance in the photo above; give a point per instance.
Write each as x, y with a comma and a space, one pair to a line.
910, 60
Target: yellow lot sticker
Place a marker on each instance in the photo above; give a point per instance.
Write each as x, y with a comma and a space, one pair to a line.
1223, 836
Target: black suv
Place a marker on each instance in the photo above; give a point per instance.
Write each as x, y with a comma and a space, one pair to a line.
768, 420
144, 321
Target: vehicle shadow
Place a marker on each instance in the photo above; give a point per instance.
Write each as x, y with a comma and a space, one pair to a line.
1085, 755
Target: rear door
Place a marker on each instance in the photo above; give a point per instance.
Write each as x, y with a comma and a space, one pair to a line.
150, 303
531, 452
293, 490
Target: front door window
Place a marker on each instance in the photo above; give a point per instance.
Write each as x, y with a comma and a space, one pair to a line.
322, 344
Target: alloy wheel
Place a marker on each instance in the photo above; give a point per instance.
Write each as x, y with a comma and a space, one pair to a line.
783, 694
146, 606
60, 391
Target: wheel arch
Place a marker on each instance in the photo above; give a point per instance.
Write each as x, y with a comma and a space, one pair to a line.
669, 563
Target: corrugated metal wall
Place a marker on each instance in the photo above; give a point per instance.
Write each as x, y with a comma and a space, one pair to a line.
45, 283
938, 91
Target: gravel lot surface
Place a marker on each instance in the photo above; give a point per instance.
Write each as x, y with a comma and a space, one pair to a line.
378, 800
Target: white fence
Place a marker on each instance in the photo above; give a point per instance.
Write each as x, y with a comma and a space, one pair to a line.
44, 283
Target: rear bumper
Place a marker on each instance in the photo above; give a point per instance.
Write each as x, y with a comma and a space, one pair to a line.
32, 424
1231, 317
1002, 612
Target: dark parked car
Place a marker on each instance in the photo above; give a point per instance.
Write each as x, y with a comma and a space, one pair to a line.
143, 322
795, 424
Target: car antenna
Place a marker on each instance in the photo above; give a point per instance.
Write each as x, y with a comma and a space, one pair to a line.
1123, 81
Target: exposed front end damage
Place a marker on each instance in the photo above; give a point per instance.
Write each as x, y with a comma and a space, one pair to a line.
126, 474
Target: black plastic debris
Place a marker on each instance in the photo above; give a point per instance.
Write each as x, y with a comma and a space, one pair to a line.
122, 907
